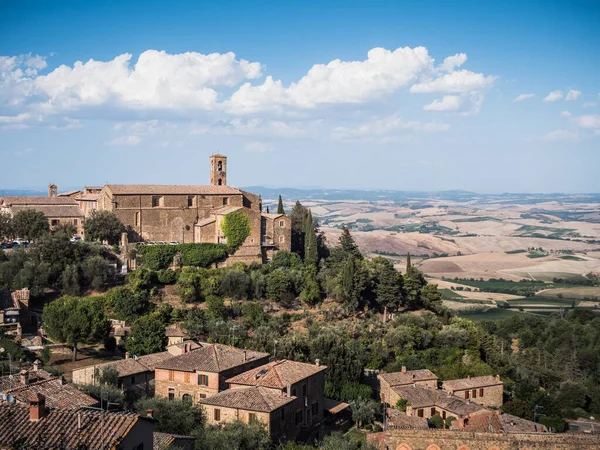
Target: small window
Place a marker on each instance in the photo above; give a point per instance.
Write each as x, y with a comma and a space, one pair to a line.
75, 222
467, 395
191, 202
474, 393
281, 224
203, 380
433, 411
217, 414
137, 219
220, 166
420, 413
294, 392
171, 394
225, 201
202, 395
187, 398
171, 375
186, 377
157, 200
481, 392
54, 222
444, 415
298, 417
251, 418
281, 239
133, 379
219, 182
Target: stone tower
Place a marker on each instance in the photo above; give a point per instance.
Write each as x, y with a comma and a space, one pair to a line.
218, 170
52, 190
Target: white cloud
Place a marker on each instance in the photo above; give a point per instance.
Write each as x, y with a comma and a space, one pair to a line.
461, 81
451, 62
257, 147
560, 135
125, 141
573, 95
588, 121
522, 97
565, 114
385, 126
447, 103
257, 127
554, 96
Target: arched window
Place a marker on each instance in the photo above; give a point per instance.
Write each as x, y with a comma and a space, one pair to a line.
404, 447
137, 219
433, 447
220, 166
219, 182
186, 398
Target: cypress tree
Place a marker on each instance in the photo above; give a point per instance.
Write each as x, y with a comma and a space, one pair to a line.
408, 265
310, 241
280, 209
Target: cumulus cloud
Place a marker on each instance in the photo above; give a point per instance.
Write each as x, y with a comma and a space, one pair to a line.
588, 121
447, 103
257, 127
560, 135
554, 96
522, 97
456, 82
454, 61
386, 126
565, 114
125, 141
573, 95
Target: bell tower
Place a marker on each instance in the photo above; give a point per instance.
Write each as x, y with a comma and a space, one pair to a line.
218, 170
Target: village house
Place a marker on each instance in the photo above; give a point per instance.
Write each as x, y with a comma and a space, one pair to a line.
485, 390
19, 388
59, 210
294, 391
38, 426
175, 335
165, 441
168, 213
135, 373
387, 381
88, 199
14, 311
201, 373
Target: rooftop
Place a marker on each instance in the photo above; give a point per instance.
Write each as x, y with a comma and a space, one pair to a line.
277, 374
399, 420
407, 377
502, 423
471, 383
58, 395
251, 399
174, 331
423, 397
52, 210
36, 200
162, 441
7, 301
213, 358
167, 189
61, 428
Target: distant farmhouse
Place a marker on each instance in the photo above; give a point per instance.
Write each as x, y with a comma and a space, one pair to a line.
169, 213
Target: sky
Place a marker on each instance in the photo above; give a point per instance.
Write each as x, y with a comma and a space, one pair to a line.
485, 96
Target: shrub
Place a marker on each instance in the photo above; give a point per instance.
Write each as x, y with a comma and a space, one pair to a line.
278, 285
377, 428
157, 257
201, 255
236, 228
401, 404
167, 276
437, 421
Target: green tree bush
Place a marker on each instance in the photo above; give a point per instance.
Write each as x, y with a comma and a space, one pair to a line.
103, 226
29, 224
236, 228
147, 336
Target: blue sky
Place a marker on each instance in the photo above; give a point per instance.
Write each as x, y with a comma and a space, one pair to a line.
486, 96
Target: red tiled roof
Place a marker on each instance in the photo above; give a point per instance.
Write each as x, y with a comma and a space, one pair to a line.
422, 397
36, 200
502, 423
51, 210
408, 377
58, 395
471, 383
277, 374
251, 399
174, 331
168, 189
213, 358
63, 428
399, 420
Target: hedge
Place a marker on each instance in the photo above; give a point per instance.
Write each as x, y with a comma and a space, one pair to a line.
160, 257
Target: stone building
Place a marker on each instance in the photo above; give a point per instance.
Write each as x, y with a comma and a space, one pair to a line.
60, 210
14, 311
387, 381
303, 383
88, 199
201, 373
167, 213
487, 390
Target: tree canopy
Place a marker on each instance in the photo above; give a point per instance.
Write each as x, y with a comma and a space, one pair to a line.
29, 224
103, 226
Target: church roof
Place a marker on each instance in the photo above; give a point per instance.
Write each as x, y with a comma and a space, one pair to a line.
168, 189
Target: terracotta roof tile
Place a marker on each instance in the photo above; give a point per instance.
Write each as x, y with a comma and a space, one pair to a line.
423, 397
493, 422
51, 210
211, 358
36, 200
251, 399
132, 366
174, 331
58, 395
399, 420
277, 374
167, 189
60, 428
471, 383
408, 377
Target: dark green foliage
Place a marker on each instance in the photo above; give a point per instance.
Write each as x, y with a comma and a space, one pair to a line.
215, 308
234, 435
147, 336
74, 320
311, 292
110, 344
234, 284
139, 279
6, 231
387, 283
201, 255
103, 226
70, 280
128, 304
310, 241
286, 260
196, 323
167, 276
157, 257
348, 245
298, 215
348, 391
437, 421
107, 375
45, 355
364, 411
172, 416
254, 314
236, 228
29, 224
280, 209
279, 285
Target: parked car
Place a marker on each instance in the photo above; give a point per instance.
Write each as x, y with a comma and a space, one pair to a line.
6, 245
20, 243
75, 238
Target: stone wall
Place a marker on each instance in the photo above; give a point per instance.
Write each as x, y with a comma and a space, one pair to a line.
386, 395
462, 440
492, 395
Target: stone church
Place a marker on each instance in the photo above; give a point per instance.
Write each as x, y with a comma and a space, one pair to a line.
184, 214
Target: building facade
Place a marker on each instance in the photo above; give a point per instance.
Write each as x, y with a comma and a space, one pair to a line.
486, 390
387, 381
14, 311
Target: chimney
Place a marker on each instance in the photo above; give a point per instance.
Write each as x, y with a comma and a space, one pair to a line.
245, 356
24, 377
318, 362
36, 365
127, 355
62, 380
37, 407
498, 412
150, 413
497, 377
403, 369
